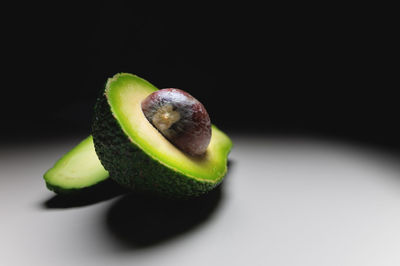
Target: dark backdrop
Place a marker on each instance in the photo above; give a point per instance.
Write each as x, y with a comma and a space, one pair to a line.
272, 70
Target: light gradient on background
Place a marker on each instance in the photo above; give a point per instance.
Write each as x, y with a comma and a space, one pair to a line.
286, 201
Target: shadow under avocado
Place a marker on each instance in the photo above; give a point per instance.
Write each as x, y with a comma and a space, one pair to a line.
140, 221
103, 191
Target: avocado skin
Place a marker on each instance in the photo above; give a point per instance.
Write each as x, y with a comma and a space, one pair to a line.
74, 191
129, 166
62, 191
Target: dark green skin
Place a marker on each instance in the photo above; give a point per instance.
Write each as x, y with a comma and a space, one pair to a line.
129, 166
72, 191
62, 191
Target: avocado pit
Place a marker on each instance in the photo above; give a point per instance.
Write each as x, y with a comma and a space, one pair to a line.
165, 117
180, 118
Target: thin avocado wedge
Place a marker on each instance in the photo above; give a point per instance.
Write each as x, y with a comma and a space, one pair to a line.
137, 156
76, 170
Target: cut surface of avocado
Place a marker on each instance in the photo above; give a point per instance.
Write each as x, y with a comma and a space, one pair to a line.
137, 155
78, 169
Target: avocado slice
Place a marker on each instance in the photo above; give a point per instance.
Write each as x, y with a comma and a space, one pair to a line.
139, 157
76, 170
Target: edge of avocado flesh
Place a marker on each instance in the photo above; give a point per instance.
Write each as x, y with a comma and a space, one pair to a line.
111, 139
50, 176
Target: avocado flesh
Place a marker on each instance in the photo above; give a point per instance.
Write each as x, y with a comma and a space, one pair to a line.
78, 169
139, 157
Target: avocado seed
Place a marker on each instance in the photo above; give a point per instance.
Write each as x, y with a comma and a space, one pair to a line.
180, 118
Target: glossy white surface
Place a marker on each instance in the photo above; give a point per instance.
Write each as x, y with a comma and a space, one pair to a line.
285, 202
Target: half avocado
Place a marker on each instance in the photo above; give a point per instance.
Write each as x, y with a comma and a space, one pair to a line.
137, 156
76, 170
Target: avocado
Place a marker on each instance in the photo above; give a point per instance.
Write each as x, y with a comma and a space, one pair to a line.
139, 157
76, 170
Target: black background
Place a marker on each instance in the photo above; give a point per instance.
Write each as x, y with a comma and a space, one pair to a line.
266, 70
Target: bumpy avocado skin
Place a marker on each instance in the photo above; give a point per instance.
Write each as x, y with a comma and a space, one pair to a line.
74, 191
62, 191
129, 166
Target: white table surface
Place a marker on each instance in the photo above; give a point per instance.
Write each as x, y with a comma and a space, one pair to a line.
286, 201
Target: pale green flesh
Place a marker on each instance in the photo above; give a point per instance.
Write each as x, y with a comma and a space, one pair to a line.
125, 93
78, 168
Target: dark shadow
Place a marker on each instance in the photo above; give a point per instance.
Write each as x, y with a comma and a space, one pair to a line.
230, 164
103, 191
140, 221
